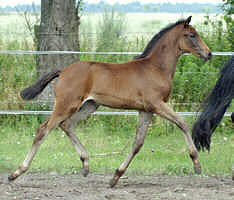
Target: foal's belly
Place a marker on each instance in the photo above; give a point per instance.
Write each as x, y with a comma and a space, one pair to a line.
113, 101
117, 102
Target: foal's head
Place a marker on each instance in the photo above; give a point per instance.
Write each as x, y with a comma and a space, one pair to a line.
191, 42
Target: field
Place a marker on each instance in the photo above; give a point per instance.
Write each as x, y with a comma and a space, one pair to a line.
146, 22
161, 170
137, 22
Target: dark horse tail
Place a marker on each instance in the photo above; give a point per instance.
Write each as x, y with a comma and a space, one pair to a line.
215, 107
35, 89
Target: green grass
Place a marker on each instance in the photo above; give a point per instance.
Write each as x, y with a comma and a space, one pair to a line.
164, 151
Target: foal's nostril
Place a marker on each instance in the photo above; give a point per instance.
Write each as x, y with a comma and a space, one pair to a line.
209, 55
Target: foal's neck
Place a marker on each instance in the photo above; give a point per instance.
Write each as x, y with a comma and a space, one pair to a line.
166, 53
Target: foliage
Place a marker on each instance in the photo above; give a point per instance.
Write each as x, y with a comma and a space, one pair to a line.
80, 7
228, 8
110, 32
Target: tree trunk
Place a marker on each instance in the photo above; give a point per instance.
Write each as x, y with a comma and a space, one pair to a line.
58, 31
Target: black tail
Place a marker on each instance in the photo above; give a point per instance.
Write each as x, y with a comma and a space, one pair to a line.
35, 89
232, 117
215, 107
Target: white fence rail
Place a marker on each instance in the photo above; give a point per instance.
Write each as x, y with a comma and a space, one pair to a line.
27, 112
90, 53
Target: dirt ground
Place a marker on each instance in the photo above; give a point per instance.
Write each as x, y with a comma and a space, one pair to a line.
35, 186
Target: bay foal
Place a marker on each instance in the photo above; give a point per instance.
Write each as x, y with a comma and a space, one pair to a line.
143, 84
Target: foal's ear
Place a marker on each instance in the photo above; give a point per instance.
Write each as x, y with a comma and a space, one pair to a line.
187, 21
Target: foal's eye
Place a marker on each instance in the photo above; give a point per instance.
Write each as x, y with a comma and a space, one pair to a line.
192, 35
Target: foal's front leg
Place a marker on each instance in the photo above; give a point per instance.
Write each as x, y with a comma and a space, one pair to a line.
142, 126
162, 109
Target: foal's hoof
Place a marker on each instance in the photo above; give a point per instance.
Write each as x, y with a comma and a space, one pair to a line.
113, 181
197, 169
85, 172
11, 178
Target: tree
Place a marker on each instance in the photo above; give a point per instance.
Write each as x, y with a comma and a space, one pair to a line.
58, 31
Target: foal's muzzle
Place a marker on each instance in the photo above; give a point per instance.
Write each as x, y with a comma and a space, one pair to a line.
206, 57
209, 56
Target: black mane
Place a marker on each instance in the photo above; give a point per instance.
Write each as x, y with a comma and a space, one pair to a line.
155, 39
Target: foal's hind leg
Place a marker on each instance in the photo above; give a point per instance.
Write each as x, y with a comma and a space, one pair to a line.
43, 131
166, 112
68, 127
142, 126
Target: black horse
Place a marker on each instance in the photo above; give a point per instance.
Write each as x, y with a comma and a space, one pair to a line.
215, 107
